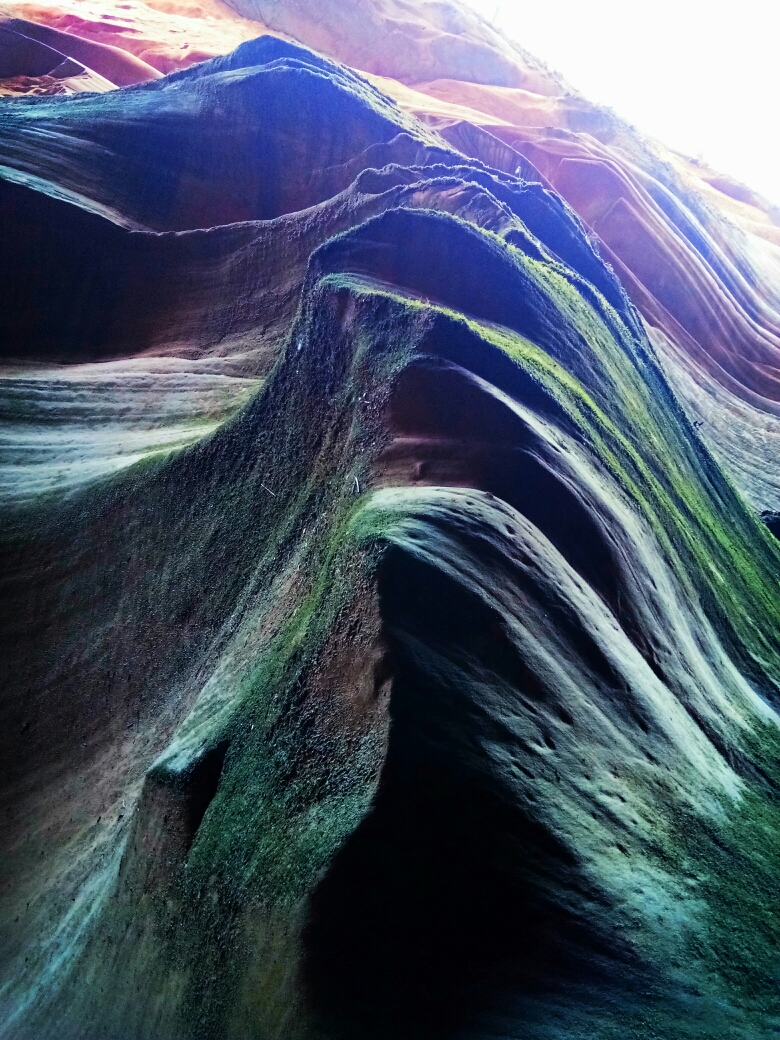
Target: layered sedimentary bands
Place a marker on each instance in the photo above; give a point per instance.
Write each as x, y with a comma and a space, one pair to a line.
389, 628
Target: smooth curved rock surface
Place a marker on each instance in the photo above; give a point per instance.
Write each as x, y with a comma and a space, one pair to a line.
164, 34
383, 650
30, 64
112, 63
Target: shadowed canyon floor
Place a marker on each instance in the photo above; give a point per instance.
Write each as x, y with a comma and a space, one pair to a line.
389, 631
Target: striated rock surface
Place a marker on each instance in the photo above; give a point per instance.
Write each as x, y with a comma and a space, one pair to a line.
698, 253
385, 651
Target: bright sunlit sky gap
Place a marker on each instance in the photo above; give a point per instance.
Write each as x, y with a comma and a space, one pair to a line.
703, 77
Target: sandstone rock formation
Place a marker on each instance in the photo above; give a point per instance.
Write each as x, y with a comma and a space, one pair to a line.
386, 651
688, 244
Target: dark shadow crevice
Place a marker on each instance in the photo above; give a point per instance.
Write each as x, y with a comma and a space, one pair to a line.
200, 788
451, 892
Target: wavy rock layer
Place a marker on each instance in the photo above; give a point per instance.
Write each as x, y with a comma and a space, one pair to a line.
384, 653
697, 253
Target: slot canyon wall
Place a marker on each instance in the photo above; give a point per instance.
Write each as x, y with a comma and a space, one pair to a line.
388, 476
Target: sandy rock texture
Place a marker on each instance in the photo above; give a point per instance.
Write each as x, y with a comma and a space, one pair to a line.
388, 627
